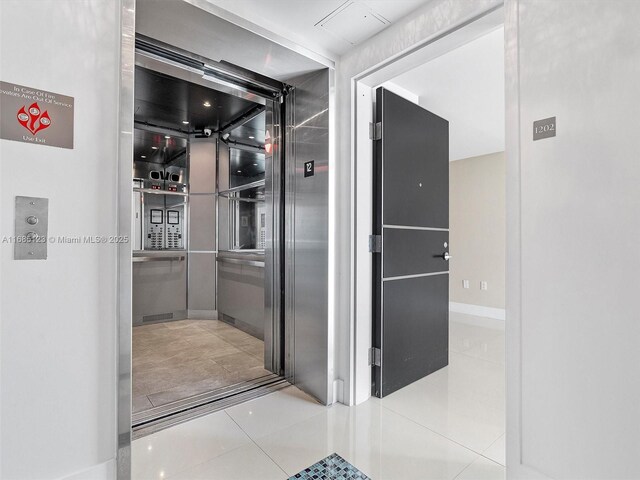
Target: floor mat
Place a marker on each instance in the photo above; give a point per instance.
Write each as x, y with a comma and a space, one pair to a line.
334, 467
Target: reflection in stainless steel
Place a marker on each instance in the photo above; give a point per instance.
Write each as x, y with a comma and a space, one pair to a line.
241, 261
157, 192
287, 279
125, 127
245, 167
274, 330
310, 230
240, 188
241, 294
150, 258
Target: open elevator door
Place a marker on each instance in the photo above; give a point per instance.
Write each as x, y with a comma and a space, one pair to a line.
306, 256
240, 87
410, 243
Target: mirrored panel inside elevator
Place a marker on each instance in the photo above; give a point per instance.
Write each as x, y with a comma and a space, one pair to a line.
200, 230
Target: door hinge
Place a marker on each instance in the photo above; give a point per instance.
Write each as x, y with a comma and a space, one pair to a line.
375, 131
375, 243
375, 357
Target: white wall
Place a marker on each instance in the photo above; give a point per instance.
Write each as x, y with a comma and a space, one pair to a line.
466, 86
477, 230
574, 202
58, 316
408, 33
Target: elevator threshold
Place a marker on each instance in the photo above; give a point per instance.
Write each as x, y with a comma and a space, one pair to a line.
158, 418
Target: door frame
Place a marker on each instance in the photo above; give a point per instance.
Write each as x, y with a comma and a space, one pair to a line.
277, 294
361, 101
362, 96
124, 320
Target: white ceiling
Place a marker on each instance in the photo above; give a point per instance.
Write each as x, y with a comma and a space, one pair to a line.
466, 87
305, 21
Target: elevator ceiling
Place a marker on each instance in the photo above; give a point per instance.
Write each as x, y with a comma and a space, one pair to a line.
170, 102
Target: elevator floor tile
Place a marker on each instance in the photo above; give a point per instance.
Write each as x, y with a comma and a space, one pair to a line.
176, 360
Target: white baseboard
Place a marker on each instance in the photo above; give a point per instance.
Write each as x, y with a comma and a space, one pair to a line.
487, 316
478, 310
103, 471
203, 314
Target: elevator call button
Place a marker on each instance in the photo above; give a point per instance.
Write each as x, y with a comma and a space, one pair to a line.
31, 228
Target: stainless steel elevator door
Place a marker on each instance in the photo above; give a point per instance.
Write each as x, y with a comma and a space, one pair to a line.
307, 240
411, 214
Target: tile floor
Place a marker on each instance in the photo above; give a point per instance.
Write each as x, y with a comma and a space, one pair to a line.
449, 425
175, 360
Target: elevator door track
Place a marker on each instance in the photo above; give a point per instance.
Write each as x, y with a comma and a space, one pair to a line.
159, 418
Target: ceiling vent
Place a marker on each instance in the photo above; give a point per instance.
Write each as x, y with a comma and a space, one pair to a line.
353, 22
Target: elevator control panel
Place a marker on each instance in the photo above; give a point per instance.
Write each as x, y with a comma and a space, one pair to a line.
160, 203
155, 229
261, 218
164, 225
174, 229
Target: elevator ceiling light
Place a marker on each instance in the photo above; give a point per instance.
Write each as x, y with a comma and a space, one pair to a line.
206, 104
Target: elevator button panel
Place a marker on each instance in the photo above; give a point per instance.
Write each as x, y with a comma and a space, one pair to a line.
31, 228
163, 225
154, 237
174, 229
155, 229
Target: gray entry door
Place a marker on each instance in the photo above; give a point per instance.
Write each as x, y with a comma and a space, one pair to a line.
411, 218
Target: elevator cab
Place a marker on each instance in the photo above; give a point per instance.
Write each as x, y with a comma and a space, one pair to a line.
203, 215
230, 239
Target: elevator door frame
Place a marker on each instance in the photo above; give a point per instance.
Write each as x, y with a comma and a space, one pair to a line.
174, 62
